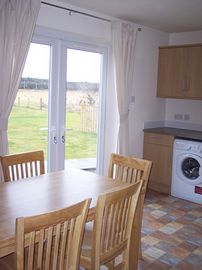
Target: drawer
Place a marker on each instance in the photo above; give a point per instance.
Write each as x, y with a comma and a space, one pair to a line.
156, 138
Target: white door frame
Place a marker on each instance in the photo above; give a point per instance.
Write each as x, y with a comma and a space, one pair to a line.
59, 42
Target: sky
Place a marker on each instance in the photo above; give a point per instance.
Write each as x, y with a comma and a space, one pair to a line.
81, 65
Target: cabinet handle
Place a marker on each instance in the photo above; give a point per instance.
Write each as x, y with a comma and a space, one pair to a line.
170, 160
188, 82
184, 84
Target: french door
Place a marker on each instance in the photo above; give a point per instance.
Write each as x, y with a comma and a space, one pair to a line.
70, 96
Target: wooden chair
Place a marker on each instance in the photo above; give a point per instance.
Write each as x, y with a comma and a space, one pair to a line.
112, 228
49, 241
131, 170
22, 165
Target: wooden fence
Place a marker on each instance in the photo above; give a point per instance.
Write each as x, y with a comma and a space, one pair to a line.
89, 116
88, 113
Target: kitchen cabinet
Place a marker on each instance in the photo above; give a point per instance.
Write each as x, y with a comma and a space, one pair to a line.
180, 72
159, 148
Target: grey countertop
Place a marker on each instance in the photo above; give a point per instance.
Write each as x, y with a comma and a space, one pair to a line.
177, 132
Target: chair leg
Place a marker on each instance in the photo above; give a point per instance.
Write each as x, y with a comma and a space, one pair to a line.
120, 266
110, 265
140, 251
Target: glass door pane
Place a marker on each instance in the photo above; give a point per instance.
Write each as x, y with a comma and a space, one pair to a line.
82, 104
28, 122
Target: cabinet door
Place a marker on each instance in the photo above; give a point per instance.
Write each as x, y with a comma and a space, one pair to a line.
160, 178
172, 72
158, 149
194, 72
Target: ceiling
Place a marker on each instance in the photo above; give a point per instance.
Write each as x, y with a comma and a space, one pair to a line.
166, 15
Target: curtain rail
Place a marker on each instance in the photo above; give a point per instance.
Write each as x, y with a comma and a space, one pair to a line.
75, 11
80, 12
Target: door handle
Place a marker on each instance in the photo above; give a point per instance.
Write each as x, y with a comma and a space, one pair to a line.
63, 139
55, 141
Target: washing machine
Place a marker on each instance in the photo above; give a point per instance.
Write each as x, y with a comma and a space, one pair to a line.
187, 170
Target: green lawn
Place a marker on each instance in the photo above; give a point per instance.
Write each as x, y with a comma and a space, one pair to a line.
25, 133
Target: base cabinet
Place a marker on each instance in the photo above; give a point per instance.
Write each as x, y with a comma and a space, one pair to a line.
159, 149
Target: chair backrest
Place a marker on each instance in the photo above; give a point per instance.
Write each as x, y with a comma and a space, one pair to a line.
22, 165
114, 217
52, 240
129, 169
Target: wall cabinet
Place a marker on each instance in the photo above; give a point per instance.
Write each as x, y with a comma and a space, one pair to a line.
180, 72
159, 149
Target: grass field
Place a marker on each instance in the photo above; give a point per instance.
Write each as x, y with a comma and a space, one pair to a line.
26, 133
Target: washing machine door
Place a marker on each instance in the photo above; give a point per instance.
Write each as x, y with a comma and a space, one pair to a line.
189, 168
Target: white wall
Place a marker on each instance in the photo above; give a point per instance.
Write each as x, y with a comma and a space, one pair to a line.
191, 107
185, 38
146, 106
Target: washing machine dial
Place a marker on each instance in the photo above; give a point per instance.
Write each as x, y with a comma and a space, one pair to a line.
195, 149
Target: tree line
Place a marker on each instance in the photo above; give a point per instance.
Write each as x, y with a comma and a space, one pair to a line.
41, 84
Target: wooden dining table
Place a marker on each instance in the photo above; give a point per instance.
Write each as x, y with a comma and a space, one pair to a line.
53, 191
45, 193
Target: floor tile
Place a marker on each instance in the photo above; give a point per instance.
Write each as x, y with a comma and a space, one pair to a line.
158, 213
165, 246
168, 229
198, 221
171, 234
188, 246
158, 265
184, 266
198, 251
150, 240
179, 252
170, 259
154, 252
194, 259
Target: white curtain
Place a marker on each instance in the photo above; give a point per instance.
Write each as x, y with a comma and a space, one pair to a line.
123, 47
17, 22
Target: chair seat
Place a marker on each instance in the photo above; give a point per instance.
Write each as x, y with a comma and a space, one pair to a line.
87, 241
8, 262
87, 245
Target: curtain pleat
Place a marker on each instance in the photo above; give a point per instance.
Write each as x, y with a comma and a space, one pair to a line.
17, 22
123, 48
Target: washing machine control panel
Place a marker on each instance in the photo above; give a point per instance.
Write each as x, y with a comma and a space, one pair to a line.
189, 146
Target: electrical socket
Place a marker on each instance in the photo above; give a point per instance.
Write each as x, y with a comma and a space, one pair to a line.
178, 116
186, 117
132, 99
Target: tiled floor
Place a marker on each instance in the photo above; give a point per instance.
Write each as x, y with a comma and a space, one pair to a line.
171, 234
